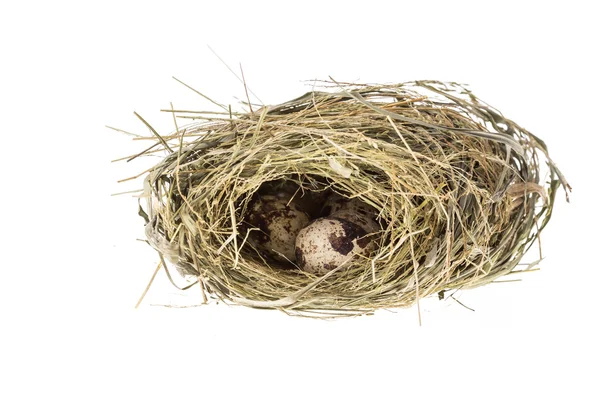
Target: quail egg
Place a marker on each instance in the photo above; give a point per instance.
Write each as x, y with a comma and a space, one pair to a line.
328, 243
353, 210
307, 200
364, 221
278, 223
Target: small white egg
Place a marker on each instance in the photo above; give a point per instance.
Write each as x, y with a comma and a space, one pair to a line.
278, 225
328, 243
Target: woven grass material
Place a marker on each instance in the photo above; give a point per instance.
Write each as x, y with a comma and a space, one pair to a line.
459, 188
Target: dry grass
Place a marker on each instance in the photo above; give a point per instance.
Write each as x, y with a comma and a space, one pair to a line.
458, 186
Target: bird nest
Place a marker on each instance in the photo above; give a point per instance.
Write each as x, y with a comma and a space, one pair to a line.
461, 192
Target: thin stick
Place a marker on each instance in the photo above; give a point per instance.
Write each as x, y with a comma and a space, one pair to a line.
122, 131
202, 290
246, 89
171, 279
128, 192
198, 112
416, 275
142, 152
206, 97
456, 300
136, 176
234, 74
164, 143
539, 237
175, 121
149, 284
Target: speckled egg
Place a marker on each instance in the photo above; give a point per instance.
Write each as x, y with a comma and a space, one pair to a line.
366, 222
328, 243
307, 200
354, 210
278, 223
335, 203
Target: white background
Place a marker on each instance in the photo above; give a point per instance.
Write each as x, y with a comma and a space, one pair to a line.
72, 269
